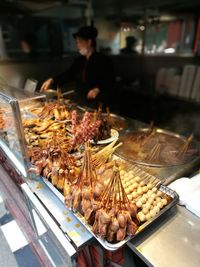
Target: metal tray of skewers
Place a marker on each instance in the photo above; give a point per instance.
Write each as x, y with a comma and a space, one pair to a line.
115, 246
156, 200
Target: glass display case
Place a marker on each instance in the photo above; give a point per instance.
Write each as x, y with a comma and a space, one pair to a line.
15, 106
17, 109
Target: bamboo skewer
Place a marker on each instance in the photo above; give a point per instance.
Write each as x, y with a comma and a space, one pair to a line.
185, 146
154, 153
102, 156
114, 195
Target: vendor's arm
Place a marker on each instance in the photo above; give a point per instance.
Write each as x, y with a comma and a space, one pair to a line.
46, 85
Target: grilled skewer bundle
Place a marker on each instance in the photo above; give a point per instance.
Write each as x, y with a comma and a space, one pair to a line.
84, 130
117, 216
104, 131
80, 195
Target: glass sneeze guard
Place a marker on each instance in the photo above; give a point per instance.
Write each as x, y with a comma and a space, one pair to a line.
15, 105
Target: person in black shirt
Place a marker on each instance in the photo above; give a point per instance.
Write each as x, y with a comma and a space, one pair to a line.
131, 42
92, 72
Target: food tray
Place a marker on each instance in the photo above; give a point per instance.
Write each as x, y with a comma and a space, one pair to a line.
160, 150
112, 247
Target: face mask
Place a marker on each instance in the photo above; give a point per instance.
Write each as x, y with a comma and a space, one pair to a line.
83, 51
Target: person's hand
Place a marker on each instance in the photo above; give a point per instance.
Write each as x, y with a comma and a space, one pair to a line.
92, 94
45, 86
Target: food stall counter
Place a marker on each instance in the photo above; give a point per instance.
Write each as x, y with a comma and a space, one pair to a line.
174, 241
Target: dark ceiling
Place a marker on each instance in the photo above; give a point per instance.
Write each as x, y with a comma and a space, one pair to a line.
106, 8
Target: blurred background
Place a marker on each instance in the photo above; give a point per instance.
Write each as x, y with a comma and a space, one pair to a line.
160, 27
157, 77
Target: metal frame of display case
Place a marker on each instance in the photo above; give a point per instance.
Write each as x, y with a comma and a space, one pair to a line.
63, 218
71, 236
14, 104
18, 124
36, 207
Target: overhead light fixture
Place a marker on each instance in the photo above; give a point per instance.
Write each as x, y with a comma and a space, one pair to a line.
142, 28
167, 18
169, 50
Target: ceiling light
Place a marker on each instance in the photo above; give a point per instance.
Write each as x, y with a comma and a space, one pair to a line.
169, 51
142, 28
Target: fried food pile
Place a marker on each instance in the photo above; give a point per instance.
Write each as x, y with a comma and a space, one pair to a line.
54, 141
6, 120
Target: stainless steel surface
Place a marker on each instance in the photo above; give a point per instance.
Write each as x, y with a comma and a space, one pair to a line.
169, 174
12, 93
173, 241
49, 221
53, 200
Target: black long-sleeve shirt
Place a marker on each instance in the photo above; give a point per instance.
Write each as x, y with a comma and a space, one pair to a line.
95, 72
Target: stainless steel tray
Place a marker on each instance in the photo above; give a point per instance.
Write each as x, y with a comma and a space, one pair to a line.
115, 246
167, 143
